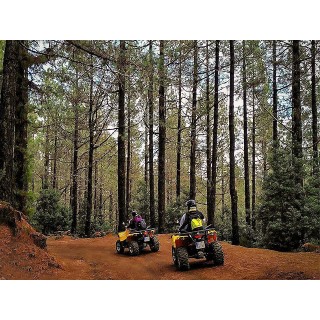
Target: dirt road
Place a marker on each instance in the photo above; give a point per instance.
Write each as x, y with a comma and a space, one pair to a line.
97, 259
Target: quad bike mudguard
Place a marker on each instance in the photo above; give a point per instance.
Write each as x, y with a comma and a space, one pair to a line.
124, 235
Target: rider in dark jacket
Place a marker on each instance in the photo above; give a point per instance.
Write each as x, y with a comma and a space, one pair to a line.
185, 222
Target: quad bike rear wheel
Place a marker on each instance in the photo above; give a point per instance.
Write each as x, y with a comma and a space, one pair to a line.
154, 244
182, 259
119, 247
133, 248
216, 253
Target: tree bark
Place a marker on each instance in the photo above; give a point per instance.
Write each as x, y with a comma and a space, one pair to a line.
151, 171
274, 94
210, 208
121, 138
222, 189
128, 175
162, 144
90, 160
45, 180
7, 119
253, 164
245, 138
296, 112
315, 165
21, 125
232, 183
74, 199
146, 148
211, 214
178, 181
55, 155
110, 207
192, 194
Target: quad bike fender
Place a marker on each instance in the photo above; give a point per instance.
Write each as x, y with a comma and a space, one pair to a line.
179, 241
212, 236
123, 235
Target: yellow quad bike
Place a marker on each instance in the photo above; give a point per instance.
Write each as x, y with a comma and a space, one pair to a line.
137, 240
196, 244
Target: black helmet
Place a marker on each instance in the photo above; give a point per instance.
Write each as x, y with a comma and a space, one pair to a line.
191, 203
134, 213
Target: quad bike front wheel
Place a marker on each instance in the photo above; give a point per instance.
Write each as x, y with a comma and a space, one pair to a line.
154, 244
133, 248
119, 247
182, 259
216, 253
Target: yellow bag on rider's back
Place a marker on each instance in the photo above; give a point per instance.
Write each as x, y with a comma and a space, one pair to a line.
196, 223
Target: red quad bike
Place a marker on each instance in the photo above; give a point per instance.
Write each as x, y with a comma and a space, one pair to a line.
196, 244
137, 240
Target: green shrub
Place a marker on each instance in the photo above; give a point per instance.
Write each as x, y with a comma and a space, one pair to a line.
50, 216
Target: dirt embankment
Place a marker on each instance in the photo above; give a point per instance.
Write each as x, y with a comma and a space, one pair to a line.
23, 253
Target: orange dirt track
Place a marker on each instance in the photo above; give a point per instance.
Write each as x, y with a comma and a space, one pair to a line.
97, 259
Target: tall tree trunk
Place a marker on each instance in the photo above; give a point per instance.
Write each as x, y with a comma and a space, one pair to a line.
314, 109
264, 157
162, 144
178, 181
210, 208
128, 175
253, 169
274, 94
222, 189
101, 216
211, 214
192, 194
95, 194
45, 179
55, 155
151, 171
110, 207
233, 191
74, 199
90, 160
296, 112
21, 125
7, 119
146, 147
245, 137
121, 138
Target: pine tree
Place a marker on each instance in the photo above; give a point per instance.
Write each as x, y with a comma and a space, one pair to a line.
280, 214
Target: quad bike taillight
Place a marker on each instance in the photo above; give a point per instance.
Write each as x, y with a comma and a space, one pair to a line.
212, 237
